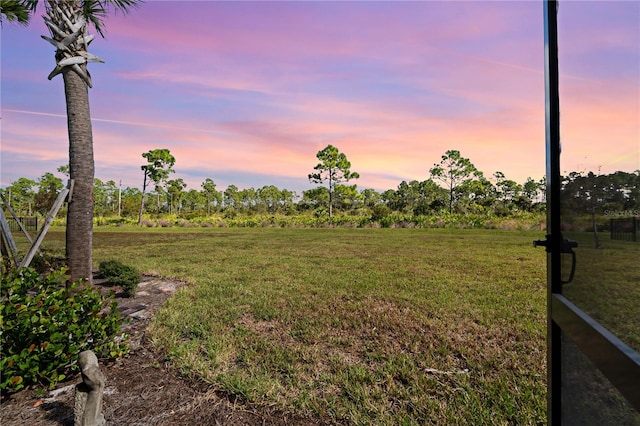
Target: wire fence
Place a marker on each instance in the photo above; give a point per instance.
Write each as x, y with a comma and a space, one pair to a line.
29, 223
625, 229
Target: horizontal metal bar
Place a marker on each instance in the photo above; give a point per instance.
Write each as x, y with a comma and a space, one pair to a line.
617, 361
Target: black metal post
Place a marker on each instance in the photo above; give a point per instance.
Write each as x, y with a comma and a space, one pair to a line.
612, 230
554, 237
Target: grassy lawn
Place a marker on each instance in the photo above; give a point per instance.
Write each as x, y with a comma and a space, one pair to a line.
358, 326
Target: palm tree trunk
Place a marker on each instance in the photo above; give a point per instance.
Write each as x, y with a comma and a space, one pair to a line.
79, 233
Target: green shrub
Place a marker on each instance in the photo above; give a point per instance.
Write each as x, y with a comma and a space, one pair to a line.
44, 326
379, 212
120, 274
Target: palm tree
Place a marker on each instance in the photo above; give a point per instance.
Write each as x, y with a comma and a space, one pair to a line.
68, 22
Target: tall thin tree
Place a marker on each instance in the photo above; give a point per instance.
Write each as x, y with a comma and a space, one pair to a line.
159, 166
209, 187
453, 170
334, 167
68, 23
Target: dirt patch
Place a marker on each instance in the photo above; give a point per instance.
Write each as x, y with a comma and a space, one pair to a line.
142, 388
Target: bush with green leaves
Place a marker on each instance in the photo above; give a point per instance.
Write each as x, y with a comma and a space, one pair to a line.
120, 274
44, 325
379, 212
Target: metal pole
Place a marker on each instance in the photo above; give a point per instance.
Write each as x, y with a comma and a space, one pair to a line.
554, 235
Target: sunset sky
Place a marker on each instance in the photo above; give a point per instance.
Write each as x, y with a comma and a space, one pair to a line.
247, 93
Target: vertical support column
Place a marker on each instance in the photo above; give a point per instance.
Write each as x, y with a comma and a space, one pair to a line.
611, 229
554, 235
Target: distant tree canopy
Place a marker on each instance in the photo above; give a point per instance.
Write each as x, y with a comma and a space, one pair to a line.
209, 188
464, 190
333, 168
456, 172
616, 192
159, 166
48, 188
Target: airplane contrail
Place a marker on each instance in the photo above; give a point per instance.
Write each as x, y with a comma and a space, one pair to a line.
507, 64
622, 157
106, 120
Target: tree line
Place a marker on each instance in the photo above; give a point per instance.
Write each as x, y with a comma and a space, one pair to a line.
454, 185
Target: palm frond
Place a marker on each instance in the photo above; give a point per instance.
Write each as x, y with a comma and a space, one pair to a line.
96, 10
17, 10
